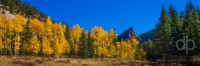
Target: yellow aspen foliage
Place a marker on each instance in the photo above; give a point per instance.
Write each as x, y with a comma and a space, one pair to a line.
36, 27
112, 51
19, 21
112, 37
9, 26
66, 46
7, 44
48, 26
142, 55
50, 38
1, 21
86, 34
98, 50
6, 26
1, 44
134, 43
34, 45
95, 43
118, 45
64, 43
129, 51
46, 46
17, 43
122, 50
99, 36
61, 45
105, 46
75, 35
57, 48
126, 49
8, 32
76, 48
76, 32
2, 26
25, 47
98, 33
104, 51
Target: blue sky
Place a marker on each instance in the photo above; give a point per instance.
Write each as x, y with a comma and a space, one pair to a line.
142, 15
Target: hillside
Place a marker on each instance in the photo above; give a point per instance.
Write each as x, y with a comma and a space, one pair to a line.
17, 6
127, 34
45, 38
6, 13
149, 35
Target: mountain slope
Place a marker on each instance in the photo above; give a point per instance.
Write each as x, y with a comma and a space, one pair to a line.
127, 34
17, 6
147, 36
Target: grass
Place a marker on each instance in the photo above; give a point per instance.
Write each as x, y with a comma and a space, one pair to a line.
41, 61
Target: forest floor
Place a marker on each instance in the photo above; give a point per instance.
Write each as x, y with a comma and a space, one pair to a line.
49, 61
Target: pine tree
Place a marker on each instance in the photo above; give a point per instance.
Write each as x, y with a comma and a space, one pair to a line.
163, 33
149, 47
90, 47
67, 32
191, 25
176, 29
84, 45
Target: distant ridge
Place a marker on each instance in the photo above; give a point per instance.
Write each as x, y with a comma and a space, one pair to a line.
127, 34
149, 35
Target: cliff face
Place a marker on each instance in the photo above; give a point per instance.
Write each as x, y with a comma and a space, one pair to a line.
6, 13
127, 34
